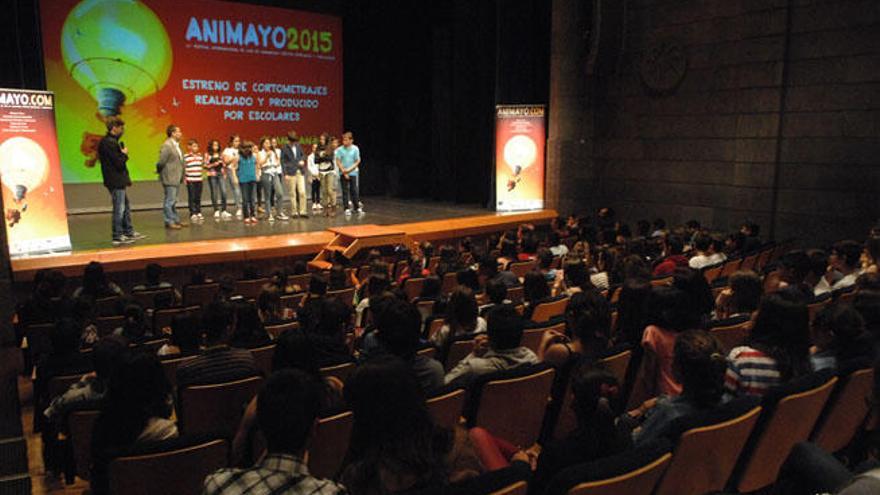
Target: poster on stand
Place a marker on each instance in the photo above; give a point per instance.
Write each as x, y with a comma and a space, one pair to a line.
34, 211
520, 136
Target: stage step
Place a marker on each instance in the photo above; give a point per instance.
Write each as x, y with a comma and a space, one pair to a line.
349, 241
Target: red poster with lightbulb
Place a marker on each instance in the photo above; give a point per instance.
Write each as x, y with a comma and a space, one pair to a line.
519, 157
34, 211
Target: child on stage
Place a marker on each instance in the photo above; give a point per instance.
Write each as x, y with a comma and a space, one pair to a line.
194, 163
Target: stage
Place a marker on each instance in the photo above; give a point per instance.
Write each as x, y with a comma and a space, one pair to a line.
213, 242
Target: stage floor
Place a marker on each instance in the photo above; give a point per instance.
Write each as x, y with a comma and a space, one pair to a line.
92, 231
219, 242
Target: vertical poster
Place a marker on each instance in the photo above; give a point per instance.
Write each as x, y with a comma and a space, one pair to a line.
34, 211
519, 157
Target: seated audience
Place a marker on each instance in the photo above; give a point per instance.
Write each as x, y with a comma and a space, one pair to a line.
269, 307
871, 255
673, 258
496, 292
398, 325
327, 325
137, 410
699, 295
395, 445
632, 311
535, 292
794, 267
588, 320
736, 303
498, 351
705, 255
186, 337
699, 366
287, 408
376, 284
153, 279
488, 270
95, 283
218, 363
844, 265
461, 318
776, 351
135, 326
839, 336
670, 315
249, 332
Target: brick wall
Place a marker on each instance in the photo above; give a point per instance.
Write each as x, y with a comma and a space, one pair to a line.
714, 148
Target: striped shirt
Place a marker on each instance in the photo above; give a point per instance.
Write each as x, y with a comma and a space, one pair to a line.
217, 365
194, 163
750, 372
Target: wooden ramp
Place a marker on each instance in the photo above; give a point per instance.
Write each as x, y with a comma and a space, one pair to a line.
349, 241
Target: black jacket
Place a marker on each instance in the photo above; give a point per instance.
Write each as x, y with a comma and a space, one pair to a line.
113, 160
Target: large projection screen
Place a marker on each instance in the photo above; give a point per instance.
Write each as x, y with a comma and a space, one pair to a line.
213, 68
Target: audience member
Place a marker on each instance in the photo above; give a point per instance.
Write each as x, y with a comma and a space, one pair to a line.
95, 283
500, 350
845, 265
736, 303
461, 318
673, 246
186, 337
287, 408
135, 326
398, 326
588, 318
839, 336
670, 315
249, 332
327, 325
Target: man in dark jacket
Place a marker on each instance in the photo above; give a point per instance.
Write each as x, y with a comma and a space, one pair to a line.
113, 156
293, 164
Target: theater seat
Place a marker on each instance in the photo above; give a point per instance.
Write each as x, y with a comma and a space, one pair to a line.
520, 268
147, 298
339, 371
250, 289
344, 295
511, 404
167, 468
548, 310
634, 472
79, 431
459, 349
200, 294
847, 408
263, 358
216, 408
169, 366
446, 407
275, 331
788, 416
731, 336
330, 444
532, 336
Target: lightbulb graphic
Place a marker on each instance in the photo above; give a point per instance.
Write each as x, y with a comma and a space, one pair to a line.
117, 50
24, 166
519, 153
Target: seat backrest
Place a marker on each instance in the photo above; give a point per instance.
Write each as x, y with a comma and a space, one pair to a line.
292, 301
661, 281
428, 352
302, 281
634, 472
515, 488
162, 317
107, 324
547, 310
712, 272
180, 471
846, 411
340, 371
147, 298
250, 289
513, 408
749, 262
516, 294
38, 341
705, 456
107, 306
216, 408
789, 422
520, 268
169, 366
344, 295
200, 294
532, 336
446, 409
434, 326
617, 364
816, 307
732, 335
275, 331
413, 287
458, 350
730, 267
263, 358
79, 427
328, 447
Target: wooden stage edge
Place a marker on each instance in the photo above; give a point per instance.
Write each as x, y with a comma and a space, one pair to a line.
258, 247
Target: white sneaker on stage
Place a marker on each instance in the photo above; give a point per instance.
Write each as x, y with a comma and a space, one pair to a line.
225, 215
348, 212
217, 214
238, 213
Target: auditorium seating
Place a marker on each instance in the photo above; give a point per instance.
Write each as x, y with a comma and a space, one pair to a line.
170, 365
200, 294
520, 268
263, 358
79, 433
630, 473
510, 404
847, 408
548, 310
216, 408
147, 298
178, 469
459, 348
731, 336
107, 306
250, 289
344, 295
532, 336
413, 287
339, 371
162, 318
446, 407
330, 444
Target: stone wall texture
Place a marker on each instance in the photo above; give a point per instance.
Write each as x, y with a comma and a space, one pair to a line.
776, 119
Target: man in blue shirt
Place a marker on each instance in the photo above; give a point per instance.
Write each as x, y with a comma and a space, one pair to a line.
348, 160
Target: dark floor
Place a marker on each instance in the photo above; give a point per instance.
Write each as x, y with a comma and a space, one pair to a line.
92, 231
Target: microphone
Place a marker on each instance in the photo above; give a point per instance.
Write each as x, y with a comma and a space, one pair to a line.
121, 144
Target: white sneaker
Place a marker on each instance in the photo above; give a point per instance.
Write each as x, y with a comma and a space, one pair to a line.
320, 207
201, 217
194, 217
348, 212
238, 213
282, 216
217, 214
225, 215
271, 219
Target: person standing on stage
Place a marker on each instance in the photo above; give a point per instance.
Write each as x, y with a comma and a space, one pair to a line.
113, 156
270, 178
327, 171
170, 169
314, 176
230, 160
293, 163
195, 165
216, 179
348, 160
247, 177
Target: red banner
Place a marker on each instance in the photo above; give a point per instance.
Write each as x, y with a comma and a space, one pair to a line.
519, 157
33, 198
213, 68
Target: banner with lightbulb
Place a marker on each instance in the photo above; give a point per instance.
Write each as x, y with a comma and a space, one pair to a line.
519, 157
213, 68
34, 211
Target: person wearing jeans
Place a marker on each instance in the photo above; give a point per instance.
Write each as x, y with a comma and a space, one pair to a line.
293, 164
348, 161
216, 179
247, 176
113, 156
230, 160
269, 164
171, 172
